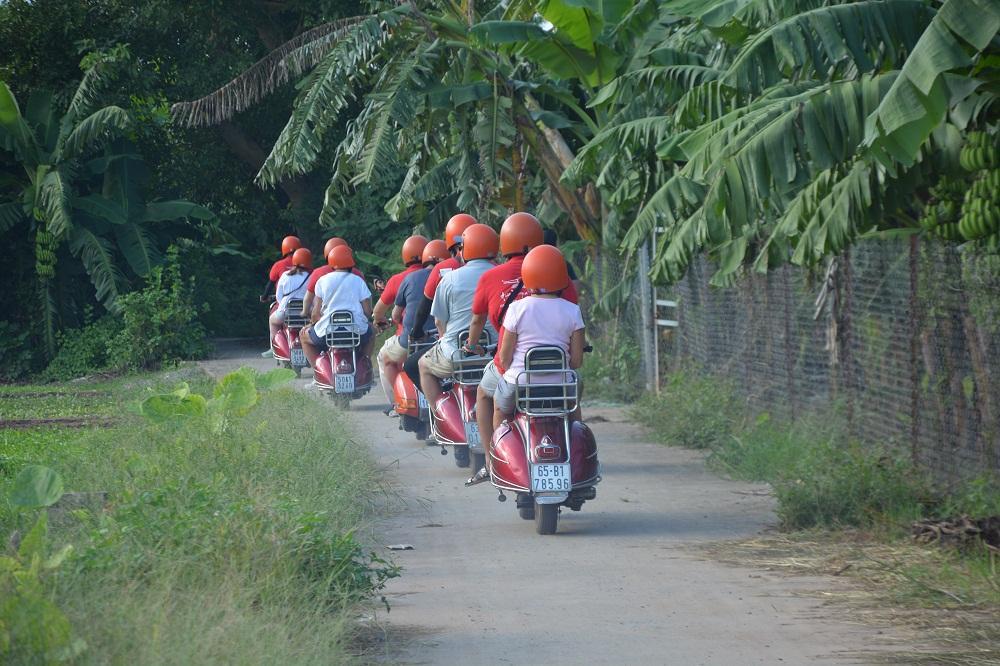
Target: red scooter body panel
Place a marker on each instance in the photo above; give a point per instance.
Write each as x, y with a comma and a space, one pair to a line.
279, 345
405, 395
511, 460
448, 424
340, 361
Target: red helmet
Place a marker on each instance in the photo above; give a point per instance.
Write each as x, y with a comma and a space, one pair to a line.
290, 244
302, 258
456, 227
413, 249
434, 252
520, 232
479, 242
340, 258
332, 243
544, 270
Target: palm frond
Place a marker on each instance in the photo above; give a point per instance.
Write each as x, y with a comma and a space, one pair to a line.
137, 247
11, 214
326, 91
15, 134
55, 198
918, 99
647, 132
291, 59
91, 87
97, 128
98, 259
822, 42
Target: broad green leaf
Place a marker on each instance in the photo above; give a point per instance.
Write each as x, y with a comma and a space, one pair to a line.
58, 558
9, 112
33, 544
36, 486
268, 380
236, 392
98, 206
167, 406
160, 211
507, 32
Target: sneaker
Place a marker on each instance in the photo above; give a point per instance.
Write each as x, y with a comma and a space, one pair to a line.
479, 477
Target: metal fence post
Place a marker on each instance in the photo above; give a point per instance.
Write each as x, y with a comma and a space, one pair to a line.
648, 327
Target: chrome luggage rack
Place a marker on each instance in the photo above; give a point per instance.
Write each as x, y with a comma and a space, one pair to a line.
294, 317
343, 332
421, 345
546, 386
468, 368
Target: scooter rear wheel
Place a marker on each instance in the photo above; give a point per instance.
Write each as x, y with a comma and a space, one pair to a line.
461, 456
546, 518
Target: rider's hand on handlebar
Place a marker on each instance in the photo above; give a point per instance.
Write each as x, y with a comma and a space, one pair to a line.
475, 350
381, 324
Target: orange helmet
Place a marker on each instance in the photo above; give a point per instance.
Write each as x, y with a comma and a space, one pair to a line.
544, 270
434, 252
340, 258
413, 249
520, 232
302, 258
456, 227
479, 242
290, 244
332, 243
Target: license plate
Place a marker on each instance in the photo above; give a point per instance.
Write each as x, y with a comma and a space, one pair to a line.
298, 358
552, 477
343, 383
472, 434
421, 401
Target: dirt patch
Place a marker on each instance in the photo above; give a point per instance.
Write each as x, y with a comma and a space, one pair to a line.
56, 394
64, 422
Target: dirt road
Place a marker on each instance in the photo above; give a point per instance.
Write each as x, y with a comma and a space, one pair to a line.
619, 584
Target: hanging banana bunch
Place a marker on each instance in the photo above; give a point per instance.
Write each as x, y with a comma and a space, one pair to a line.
45, 253
941, 213
980, 214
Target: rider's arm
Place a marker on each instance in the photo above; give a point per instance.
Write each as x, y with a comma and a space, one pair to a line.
507, 348
366, 306
476, 328
397, 315
317, 309
576, 344
378, 314
423, 311
307, 302
441, 326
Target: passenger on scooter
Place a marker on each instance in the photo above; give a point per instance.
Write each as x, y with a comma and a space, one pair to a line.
291, 285
497, 289
289, 244
320, 271
453, 239
452, 307
411, 291
339, 290
542, 319
392, 354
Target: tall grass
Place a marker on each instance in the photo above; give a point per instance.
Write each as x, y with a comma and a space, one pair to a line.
233, 548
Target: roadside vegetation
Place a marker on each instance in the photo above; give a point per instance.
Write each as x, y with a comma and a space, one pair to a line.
848, 508
194, 523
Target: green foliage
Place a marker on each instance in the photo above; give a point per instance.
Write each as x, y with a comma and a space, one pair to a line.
36, 487
693, 409
16, 357
159, 322
84, 351
612, 371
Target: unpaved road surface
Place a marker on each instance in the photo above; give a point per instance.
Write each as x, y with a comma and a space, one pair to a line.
619, 584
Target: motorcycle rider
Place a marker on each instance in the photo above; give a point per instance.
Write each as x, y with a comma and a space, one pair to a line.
411, 291
291, 284
323, 270
453, 239
542, 319
392, 354
497, 289
340, 289
289, 244
452, 306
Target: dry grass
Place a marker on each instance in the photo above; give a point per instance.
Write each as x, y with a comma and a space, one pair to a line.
940, 606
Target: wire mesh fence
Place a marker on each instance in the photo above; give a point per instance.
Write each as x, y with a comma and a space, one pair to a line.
902, 335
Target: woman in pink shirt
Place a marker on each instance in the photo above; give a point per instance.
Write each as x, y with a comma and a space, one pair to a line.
540, 320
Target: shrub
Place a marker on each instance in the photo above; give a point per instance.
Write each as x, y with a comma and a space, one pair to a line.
160, 322
16, 356
83, 351
612, 371
693, 409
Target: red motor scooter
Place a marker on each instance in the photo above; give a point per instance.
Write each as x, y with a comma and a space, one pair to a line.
453, 419
411, 405
543, 456
340, 371
285, 345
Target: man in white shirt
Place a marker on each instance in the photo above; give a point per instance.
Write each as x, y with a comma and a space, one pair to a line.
339, 290
452, 307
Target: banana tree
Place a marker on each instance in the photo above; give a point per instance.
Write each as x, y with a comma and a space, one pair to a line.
786, 131
70, 184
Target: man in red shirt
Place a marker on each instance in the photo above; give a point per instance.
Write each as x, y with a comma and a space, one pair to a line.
497, 289
323, 270
453, 239
392, 355
289, 244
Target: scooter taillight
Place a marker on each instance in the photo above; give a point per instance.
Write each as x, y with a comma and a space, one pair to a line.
344, 367
547, 452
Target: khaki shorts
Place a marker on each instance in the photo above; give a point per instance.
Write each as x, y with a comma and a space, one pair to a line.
437, 363
392, 350
505, 396
491, 377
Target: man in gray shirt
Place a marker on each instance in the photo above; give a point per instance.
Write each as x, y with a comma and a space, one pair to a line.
452, 307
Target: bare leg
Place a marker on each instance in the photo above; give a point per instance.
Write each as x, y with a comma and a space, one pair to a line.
430, 384
275, 321
311, 351
484, 418
387, 372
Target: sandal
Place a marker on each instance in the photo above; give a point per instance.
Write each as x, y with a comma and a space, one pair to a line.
479, 477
